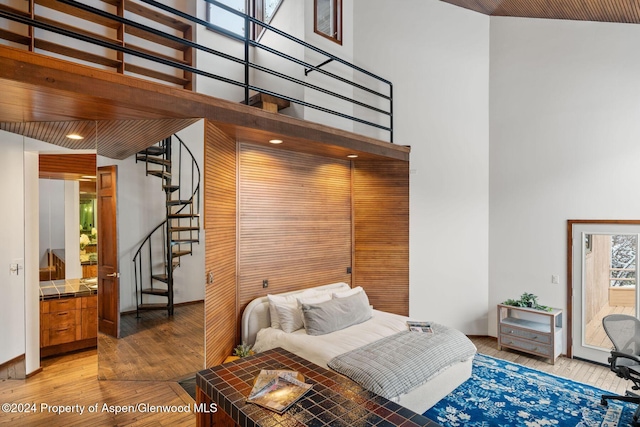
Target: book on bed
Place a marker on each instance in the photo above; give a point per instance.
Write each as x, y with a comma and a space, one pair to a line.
424, 327
277, 390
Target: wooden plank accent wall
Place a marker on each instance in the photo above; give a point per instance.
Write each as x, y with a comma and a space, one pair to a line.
294, 222
381, 233
220, 239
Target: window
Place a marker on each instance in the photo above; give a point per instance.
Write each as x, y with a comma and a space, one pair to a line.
228, 20
328, 19
259, 9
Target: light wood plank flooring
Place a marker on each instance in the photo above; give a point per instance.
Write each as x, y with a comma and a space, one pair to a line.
72, 379
595, 334
155, 347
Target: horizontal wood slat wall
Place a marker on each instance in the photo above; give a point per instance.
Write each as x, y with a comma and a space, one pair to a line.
381, 233
294, 222
220, 239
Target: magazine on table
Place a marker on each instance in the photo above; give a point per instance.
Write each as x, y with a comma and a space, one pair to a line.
277, 390
424, 327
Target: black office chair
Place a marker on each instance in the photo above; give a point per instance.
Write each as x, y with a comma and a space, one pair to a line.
624, 332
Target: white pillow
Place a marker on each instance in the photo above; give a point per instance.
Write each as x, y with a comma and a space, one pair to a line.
290, 314
287, 301
348, 292
314, 299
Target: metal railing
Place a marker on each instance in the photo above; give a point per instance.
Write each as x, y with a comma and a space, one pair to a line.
373, 106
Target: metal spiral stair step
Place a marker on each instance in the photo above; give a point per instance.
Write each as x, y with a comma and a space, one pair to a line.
154, 160
154, 150
179, 229
185, 215
184, 241
177, 254
179, 202
160, 173
171, 188
160, 277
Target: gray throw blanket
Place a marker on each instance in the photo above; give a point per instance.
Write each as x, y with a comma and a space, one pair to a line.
396, 364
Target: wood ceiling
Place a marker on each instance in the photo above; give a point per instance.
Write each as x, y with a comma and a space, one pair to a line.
621, 11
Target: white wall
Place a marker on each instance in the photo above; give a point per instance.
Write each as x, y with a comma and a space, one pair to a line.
72, 265
141, 207
51, 213
31, 262
437, 56
12, 287
288, 19
565, 102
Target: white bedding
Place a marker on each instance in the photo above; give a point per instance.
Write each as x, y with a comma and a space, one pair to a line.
322, 348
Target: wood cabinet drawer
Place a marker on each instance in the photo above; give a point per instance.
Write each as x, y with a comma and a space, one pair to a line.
64, 304
62, 319
62, 335
540, 337
528, 346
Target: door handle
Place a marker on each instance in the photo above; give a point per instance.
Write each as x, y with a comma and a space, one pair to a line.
113, 275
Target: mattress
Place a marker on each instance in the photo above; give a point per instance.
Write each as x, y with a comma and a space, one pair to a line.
321, 349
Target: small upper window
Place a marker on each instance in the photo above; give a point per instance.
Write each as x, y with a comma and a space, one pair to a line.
262, 10
328, 19
228, 20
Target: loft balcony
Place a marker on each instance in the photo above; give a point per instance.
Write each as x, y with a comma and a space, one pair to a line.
142, 63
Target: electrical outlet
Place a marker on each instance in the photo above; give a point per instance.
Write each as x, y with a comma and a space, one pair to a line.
265, 283
210, 278
348, 270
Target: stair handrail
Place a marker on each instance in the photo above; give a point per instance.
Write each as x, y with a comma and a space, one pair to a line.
196, 190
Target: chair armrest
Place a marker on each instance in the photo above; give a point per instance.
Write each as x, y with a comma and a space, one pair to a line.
616, 354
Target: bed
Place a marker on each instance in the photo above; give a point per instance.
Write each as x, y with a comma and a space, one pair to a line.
324, 349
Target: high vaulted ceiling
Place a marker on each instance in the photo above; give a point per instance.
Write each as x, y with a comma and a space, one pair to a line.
623, 11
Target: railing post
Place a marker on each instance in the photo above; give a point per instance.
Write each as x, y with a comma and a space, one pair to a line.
391, 113
247, 34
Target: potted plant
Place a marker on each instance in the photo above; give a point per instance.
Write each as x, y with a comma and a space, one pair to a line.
527, 300
241, 350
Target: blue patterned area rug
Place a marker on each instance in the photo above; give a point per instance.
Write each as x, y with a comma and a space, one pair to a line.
505, 394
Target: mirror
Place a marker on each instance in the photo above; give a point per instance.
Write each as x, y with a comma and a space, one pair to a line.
175, 343
153, 345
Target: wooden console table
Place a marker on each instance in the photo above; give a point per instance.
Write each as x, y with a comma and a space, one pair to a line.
531, 331
333, 400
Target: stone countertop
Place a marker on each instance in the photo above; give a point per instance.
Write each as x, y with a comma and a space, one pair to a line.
53, 289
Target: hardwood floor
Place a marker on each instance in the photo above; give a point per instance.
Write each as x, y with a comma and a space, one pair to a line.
154, 347
595, 334
73, 380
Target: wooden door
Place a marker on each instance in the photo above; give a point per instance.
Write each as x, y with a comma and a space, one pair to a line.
108, 276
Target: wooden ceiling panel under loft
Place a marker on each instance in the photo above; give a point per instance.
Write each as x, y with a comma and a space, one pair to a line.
621, 11
116, 139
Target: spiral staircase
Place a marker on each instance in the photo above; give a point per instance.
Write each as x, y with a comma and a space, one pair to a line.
159, 254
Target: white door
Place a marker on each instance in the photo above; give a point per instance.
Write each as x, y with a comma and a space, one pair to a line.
604, 282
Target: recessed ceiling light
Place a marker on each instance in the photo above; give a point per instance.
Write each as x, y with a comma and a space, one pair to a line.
276, 141
75, 136
352, 156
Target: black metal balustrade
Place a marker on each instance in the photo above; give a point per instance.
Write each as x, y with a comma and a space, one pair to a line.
372, 106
